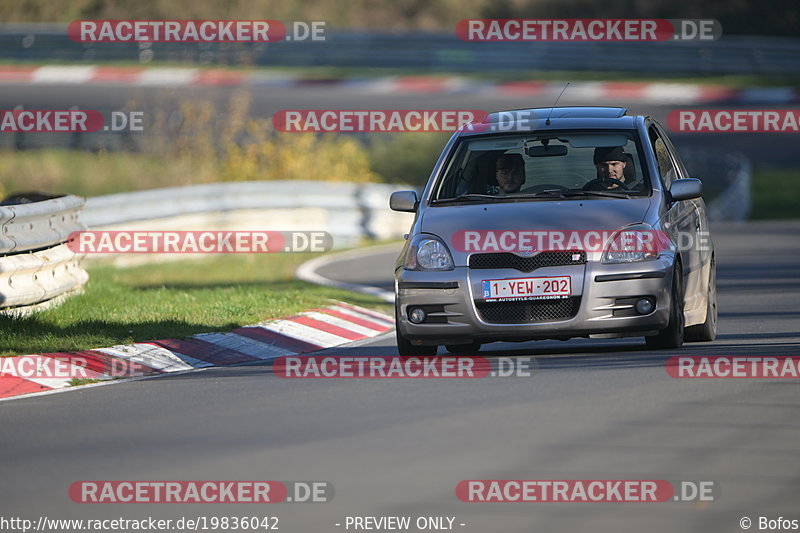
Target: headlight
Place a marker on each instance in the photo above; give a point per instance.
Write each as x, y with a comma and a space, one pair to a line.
632, 244
428, 253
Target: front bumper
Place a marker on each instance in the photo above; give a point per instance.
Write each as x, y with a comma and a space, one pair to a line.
602, 294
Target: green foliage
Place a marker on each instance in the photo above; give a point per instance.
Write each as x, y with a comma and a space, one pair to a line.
211, 142
406, 157
776, 194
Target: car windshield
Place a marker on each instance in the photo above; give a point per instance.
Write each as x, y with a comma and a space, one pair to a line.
556, 165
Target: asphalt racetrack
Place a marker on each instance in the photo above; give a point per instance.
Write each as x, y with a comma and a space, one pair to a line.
594, 409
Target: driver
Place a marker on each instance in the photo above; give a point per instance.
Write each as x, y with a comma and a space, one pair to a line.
610, 164
510, 172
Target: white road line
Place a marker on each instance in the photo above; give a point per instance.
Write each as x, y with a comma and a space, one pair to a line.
152, 356
90, 385
671, 93
245, 345
308, 272
62, 74
304, 333
167, 76
342, 323
365, 316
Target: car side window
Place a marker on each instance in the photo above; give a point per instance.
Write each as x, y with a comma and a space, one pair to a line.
666, 166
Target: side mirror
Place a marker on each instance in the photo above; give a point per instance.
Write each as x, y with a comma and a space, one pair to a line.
403, 201
686, 189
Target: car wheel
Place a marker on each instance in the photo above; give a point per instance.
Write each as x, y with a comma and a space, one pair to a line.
463, 348
707, 331
404, 346
672, 335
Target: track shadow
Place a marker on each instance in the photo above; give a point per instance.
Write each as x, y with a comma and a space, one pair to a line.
101, 333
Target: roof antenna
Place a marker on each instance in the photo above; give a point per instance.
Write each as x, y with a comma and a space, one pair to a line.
547, 122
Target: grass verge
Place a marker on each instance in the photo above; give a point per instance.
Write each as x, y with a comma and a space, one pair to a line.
775, 194
150, 302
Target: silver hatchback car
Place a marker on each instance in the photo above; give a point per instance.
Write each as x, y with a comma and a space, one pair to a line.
555, 223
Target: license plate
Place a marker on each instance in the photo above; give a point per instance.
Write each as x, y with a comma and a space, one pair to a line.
526, 288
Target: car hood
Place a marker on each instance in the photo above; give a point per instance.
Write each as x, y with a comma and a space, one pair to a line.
590, 214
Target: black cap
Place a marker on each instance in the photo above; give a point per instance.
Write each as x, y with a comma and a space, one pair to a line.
608, 153
515, 160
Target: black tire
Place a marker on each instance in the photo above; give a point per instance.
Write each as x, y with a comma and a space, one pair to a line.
462, 349
707, 331
404, 346
672, 335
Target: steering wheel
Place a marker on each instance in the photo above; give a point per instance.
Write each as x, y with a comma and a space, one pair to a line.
592, 185
545, 187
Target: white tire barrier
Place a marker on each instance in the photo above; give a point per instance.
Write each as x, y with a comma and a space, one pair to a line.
36, 266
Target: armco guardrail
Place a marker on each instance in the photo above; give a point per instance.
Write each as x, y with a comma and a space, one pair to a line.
348, 211
36, 267
425, 51
37, 225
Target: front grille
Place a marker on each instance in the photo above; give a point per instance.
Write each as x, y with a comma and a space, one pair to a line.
528, 312
526, 264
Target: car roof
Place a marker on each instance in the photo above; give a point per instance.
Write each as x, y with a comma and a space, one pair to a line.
553, 118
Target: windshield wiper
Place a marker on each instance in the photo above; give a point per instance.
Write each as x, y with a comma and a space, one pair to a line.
549, 193
542, 194
607, 194
469, 196
499, 197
